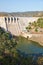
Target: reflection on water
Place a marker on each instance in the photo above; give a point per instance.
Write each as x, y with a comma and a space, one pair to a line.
30, 47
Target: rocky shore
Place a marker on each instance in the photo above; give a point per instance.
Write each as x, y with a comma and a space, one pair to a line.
37, 39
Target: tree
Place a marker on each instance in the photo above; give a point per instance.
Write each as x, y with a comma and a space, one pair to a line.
40, 60
36, 29
7, 43
40, 22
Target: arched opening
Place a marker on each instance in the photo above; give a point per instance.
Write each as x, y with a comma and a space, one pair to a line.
17, 19
8, 20
5, 19
14, 19
11, 19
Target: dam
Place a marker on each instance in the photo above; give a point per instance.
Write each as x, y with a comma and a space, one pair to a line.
16, 25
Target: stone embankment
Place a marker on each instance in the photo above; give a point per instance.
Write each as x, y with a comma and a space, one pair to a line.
34, 37
38, 38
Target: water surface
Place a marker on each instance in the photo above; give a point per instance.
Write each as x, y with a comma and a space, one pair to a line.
28, 46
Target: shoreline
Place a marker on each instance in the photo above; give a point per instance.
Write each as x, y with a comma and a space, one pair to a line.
37, 39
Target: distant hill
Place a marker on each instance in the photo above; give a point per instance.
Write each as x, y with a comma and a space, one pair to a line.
23, 14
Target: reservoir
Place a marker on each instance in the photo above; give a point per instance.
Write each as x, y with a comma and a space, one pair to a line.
28, 46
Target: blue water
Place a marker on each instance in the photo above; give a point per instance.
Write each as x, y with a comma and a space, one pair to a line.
30, 47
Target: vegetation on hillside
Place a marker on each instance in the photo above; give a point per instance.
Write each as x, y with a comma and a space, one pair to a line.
36, 25
23, 14
7, 42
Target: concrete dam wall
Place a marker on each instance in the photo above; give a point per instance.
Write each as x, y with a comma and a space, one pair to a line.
16, 25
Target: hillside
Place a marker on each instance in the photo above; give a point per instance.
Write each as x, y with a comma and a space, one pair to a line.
23, 14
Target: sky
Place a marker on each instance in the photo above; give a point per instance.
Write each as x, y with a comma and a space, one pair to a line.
21, 5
